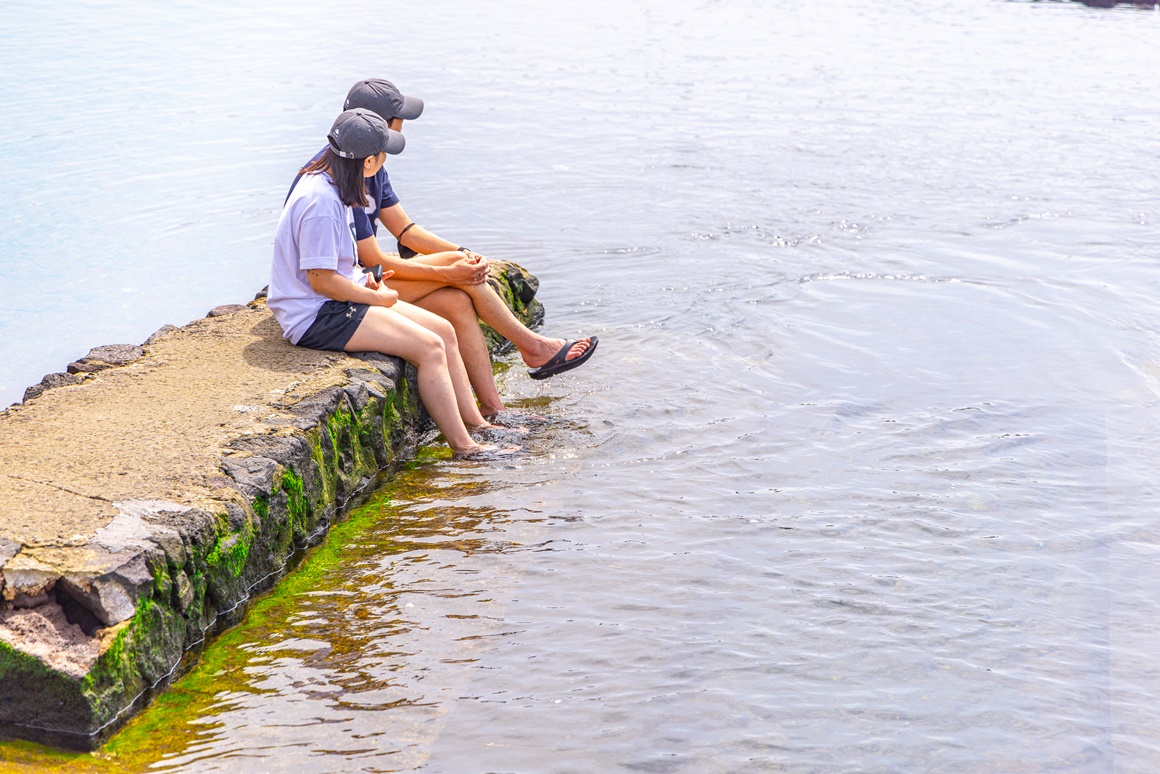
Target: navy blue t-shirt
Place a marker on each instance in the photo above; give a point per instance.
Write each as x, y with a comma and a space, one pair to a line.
379, 193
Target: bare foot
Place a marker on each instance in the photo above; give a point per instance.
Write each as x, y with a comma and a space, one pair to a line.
483, 451
544, 350
490, 412
513, 417
498, 430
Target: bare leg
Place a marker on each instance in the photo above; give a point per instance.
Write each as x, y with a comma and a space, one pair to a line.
464, 398
489, 307
455, 306
412, 291
534, 348
387, 331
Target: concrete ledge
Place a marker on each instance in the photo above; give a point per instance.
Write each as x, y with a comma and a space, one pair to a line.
147, 492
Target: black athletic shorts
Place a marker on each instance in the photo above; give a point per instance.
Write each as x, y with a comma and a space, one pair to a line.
335, 323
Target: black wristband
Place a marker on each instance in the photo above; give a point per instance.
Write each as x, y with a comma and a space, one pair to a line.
463, 249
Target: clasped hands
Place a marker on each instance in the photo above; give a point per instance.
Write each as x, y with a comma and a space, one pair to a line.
471, 269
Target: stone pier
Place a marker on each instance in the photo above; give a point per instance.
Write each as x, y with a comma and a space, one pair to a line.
148, 492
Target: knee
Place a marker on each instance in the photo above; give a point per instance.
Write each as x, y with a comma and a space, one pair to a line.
432, 349
445, 330
459, 306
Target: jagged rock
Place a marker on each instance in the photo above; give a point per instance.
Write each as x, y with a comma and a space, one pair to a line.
523, 284
108, 356
107, 584
253, 475
224, 309
8, 549
26, 575
389, 366
358, 395
112, 596
48, 382
164, 329
292, 451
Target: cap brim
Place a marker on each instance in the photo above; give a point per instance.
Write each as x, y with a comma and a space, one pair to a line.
412, 109
395, 142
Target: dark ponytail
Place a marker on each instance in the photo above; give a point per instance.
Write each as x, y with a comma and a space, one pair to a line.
347, 175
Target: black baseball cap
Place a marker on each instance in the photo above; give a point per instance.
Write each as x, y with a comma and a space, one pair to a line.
359, 133
383, 98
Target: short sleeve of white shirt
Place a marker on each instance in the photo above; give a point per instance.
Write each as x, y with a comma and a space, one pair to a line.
320, 242
315, 231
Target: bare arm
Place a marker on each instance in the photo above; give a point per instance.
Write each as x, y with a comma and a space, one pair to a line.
447, 268
443, 264
417, 238
333, 285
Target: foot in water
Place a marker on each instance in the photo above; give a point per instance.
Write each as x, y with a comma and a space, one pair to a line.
505, 417
498, 433
484, 451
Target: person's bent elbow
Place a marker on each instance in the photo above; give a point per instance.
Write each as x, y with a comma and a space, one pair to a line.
319, 280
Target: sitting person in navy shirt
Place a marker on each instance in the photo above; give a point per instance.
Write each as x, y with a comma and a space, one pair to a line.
443, 277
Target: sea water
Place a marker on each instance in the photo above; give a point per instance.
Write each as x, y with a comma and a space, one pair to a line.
863, 473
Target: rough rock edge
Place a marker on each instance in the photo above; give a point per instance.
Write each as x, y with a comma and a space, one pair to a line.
113, 355
162, 577
108, 356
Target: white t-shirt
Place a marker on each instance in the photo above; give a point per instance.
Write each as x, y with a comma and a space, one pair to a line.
316, 231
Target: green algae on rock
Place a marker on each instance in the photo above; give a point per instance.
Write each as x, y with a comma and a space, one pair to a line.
147, 499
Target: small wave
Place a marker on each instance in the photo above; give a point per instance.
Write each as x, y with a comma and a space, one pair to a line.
846, 275
1021, 219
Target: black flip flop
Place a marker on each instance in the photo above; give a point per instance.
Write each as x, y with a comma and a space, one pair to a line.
559, 362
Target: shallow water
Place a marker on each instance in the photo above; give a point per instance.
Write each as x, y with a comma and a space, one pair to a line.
861, 476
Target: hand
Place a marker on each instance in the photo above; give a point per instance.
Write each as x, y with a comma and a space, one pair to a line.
468, 270
477, 256
386, 296
373, 283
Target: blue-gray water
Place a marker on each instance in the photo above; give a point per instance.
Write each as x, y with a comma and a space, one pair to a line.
862, 475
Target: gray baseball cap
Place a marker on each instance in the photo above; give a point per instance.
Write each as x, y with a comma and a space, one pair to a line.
383, 98
359, 133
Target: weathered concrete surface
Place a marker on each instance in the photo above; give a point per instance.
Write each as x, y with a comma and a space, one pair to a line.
147, 492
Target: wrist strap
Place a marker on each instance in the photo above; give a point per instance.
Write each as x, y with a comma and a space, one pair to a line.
406, 228
463, 249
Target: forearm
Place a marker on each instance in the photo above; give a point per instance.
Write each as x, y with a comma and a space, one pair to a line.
439, 260
424, 242
339, 288
371, 254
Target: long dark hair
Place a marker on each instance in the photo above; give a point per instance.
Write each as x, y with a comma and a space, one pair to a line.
347, 175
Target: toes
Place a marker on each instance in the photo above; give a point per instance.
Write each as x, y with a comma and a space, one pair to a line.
578, 349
